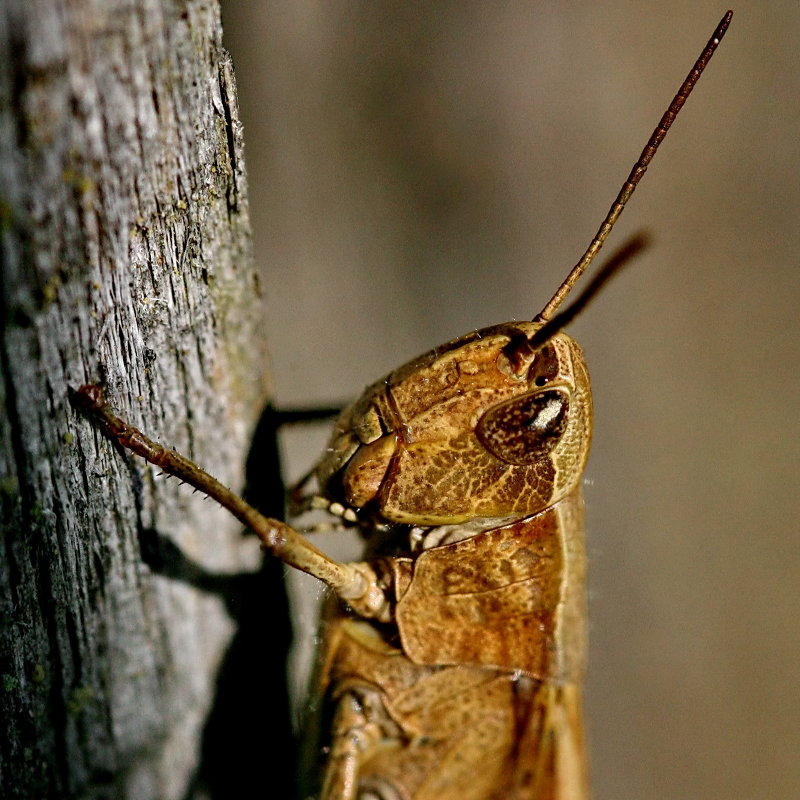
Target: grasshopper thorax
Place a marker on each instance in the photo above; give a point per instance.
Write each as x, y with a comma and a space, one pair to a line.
483, 426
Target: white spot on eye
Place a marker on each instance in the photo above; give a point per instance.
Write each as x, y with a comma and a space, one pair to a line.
546, 415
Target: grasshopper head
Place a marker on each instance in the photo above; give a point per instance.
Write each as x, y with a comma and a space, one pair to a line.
493, 424
484, 426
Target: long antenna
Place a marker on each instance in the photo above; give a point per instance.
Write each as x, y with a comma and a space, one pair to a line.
639, 168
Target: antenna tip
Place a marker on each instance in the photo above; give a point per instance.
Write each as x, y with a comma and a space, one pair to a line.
723, 26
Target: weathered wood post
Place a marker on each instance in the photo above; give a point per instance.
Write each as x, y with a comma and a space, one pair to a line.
125, 259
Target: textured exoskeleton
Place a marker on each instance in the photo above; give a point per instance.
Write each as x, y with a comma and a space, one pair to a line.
467, 462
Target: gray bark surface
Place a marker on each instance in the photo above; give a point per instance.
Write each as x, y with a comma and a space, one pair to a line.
125, 259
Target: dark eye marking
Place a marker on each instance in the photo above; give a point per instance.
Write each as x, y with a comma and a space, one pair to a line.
544, 367
522, 430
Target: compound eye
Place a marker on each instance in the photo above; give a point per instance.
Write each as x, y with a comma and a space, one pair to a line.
522, 430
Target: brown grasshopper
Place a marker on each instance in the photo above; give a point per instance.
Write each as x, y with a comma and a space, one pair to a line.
453, 655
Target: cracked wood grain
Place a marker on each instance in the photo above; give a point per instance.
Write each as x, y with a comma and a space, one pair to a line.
125, 259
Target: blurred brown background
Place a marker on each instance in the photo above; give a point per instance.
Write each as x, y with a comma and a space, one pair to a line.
418, 170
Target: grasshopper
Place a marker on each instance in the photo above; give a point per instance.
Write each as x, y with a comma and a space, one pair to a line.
453, 654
